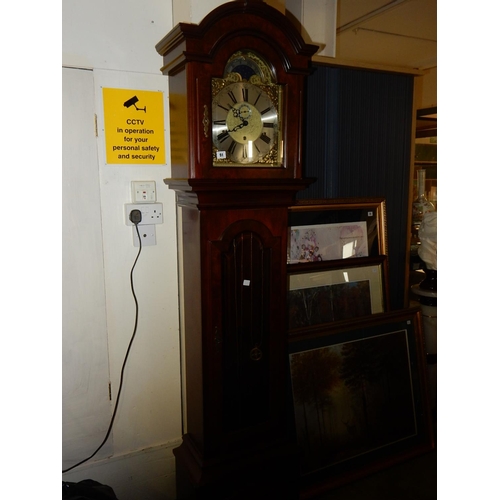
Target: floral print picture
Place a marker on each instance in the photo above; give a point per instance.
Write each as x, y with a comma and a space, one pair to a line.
328, 242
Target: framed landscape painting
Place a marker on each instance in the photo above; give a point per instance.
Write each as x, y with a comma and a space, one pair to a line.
360, 399
323, 292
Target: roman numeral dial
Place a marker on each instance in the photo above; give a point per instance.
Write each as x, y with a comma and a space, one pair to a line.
245, 125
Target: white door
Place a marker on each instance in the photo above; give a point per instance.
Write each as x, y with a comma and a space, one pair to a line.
86, 408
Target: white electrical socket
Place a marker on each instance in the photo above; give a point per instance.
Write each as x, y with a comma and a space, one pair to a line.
152, 213
147, 233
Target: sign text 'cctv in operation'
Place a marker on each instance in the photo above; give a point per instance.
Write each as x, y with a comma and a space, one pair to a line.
134, 126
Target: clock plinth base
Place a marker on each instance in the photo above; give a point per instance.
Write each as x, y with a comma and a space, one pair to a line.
266, 474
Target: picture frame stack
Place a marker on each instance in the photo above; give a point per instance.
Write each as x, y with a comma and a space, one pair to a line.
358, 385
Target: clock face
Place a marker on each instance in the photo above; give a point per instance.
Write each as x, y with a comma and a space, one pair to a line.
245, 125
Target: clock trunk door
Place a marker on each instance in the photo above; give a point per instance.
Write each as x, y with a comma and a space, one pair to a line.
247, 343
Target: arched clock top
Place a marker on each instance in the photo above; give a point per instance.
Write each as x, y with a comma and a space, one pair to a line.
236, 88
254, 19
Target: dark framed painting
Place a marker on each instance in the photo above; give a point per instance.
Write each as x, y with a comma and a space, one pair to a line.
327, 291
341, 228
360, 398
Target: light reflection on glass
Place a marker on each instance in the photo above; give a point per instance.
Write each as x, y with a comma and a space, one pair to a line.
348, 249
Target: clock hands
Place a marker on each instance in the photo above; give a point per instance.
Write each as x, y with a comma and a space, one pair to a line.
241, 125
244, 112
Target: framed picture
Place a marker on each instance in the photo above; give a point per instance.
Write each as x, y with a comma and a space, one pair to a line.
331, 229
323, 292
360, 397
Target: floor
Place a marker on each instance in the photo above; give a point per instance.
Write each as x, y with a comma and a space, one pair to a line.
415, 479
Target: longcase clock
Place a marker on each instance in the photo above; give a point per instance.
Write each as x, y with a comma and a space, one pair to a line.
236, 90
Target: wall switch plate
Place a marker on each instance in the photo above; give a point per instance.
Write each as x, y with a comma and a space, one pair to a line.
147, 233
152, 213
144, 191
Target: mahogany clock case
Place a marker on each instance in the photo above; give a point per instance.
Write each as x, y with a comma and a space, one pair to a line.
232, 243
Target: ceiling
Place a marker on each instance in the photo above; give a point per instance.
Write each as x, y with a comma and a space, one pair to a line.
391, 33
396, 33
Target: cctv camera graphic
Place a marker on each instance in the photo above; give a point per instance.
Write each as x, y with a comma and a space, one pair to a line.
131, 102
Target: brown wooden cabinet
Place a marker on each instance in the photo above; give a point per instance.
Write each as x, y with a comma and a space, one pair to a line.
232, 240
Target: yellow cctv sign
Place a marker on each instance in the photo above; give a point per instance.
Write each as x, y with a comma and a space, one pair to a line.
134, 126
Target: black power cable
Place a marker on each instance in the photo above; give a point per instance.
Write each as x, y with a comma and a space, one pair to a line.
135, 218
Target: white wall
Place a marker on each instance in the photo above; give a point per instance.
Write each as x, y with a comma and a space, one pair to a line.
115, 34
111, 44
317, 22
193, 11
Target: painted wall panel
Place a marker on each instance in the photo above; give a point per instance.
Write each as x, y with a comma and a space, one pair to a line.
85, 373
